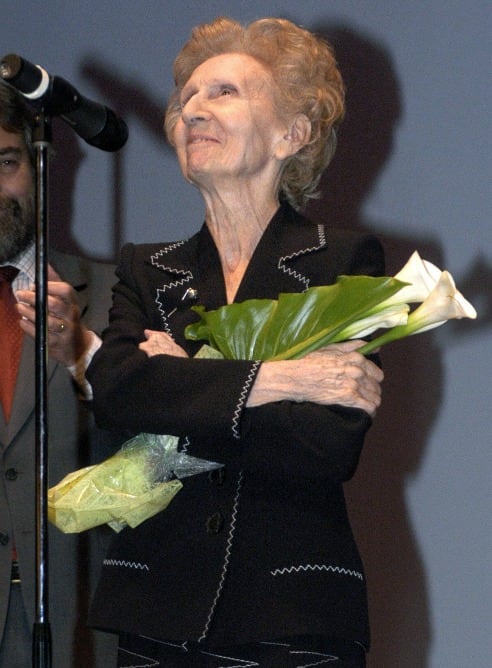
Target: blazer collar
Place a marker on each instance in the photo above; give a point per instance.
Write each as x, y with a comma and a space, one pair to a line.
288, 237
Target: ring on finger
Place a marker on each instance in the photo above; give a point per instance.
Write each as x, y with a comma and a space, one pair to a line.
61, 326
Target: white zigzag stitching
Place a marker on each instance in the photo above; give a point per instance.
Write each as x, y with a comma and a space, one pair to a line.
242, 398
154, 664
227, 557
244, 663
295, 274
126, 564
187, 277
167, 249
288, 570
327, 658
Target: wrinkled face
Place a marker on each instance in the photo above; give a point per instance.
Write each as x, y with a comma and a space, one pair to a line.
229, 128
16, 196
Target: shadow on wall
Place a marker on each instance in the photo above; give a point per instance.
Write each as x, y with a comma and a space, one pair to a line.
398, 596
128, 100
69, 153
65, 161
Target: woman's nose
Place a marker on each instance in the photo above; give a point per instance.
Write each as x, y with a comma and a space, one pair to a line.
194, 111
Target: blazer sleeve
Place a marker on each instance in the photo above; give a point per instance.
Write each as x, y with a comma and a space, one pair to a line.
199, 398
324, 442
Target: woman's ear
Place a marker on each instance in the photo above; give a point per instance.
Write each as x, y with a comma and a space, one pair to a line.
297, 136
300, 131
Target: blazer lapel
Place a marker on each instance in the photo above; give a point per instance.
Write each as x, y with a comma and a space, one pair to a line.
189, 271
273, 267
172, 269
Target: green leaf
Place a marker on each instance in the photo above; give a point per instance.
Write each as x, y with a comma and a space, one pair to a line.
296, 323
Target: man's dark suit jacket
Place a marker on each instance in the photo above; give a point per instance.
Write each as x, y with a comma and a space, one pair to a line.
71, 439
263, 548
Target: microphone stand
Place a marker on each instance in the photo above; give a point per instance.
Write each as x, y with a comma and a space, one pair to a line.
101, 128
41, 637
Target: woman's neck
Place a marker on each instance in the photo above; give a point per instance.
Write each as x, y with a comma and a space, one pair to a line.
236, 227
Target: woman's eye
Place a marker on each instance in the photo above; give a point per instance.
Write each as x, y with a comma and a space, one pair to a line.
186, 97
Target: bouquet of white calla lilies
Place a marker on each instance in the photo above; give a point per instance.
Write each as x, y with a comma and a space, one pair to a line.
439, 299
353, 307
142, 478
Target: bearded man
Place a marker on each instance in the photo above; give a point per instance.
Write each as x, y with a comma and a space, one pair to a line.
77, 307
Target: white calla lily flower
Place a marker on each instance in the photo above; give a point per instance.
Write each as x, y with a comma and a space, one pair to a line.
421, 277
391, 315
444, 303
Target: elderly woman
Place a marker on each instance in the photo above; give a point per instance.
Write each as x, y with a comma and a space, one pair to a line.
255, 563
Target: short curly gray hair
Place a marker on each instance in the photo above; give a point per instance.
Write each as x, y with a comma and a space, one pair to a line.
304, 68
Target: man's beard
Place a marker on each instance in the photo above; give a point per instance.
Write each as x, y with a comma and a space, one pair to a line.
16, 227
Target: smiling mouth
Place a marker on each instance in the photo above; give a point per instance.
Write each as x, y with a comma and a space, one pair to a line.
201, 140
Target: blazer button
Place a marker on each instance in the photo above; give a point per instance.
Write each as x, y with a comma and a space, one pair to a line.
214, 523
11, 474
4, 538
217, 476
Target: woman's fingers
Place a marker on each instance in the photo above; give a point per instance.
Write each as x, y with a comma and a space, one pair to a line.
160, 343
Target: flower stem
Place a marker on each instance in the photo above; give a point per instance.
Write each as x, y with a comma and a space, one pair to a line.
394, 334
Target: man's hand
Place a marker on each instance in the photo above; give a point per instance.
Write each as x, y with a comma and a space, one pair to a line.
68, 339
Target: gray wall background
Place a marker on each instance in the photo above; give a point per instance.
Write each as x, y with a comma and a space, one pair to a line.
414, 166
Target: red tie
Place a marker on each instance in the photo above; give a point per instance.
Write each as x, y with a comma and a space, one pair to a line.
10, 339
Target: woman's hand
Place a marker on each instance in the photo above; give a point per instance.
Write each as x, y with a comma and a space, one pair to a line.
68, 339
160, 343
336, 374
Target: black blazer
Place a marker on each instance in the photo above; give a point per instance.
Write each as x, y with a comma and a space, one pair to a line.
263, 548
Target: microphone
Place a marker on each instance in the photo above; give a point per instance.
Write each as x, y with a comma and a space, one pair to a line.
93, 122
